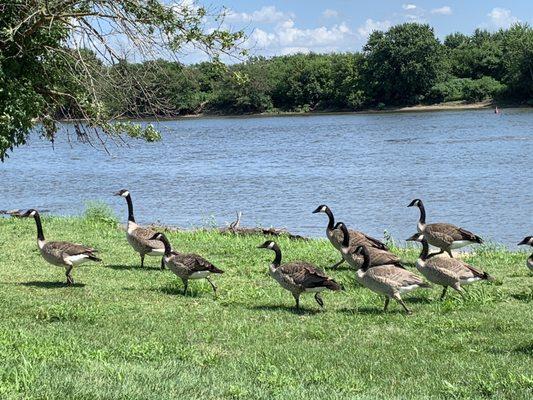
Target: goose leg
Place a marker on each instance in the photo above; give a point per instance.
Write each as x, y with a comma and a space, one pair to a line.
460, 290
142, 260
337, 264
386, 304
70, 281
162, 263
185, 286
404, 306
212, 285
319, 300
443, 292
297, 299
449, 252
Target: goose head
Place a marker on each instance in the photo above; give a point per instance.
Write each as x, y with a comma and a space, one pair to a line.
30, 213
417, 237
416, 203
157, 236
528, 240
321, 208
122, 193
269, 244
359, 250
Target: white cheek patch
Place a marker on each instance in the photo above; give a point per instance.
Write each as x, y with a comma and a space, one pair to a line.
32, 214
271, 245
125, 194
530, 242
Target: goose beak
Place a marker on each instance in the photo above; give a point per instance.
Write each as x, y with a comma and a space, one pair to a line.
116, 194
317, 210
525, 241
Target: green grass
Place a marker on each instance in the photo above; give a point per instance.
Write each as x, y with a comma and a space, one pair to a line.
128, 333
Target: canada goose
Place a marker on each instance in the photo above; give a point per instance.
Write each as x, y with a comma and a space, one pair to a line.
298, 276
139, 237
388, 280
377, 256
62, 254
444, 236
335, 236
186, 266
446, 272
528, 240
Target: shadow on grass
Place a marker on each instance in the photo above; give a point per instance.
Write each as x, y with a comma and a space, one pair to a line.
525, 297
370, 311
51, 285
291, 309
526, 349
418, 300
178, 291
132, 267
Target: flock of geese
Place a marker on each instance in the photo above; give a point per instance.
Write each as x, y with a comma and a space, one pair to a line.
377, 268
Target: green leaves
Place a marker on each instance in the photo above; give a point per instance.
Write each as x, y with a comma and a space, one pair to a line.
55, 60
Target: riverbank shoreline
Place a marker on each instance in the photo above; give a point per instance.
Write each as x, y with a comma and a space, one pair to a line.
447, 106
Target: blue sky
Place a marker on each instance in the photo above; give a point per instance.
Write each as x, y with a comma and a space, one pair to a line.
283, 27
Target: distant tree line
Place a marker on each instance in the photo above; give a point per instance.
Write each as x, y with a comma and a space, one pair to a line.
405, 65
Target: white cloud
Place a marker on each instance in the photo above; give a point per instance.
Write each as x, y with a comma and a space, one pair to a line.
267, 15
329, 13
408, 6
370, 26
262, 39
502, 18
445, 10
287, 38
294, 50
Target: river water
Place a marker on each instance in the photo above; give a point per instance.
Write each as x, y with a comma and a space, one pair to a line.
471, 168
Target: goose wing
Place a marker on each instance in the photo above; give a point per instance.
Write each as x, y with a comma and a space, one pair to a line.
70, 249
441, 232
450, 233
378, 244
358, 238
64, 250
383, 257
456, 269
307, 276
143, 235
377, 257
194, 263
391, 275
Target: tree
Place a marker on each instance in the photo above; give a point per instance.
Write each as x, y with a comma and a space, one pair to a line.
402, 64
518, 61
52, 54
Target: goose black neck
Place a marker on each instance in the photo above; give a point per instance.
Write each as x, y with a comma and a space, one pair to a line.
277, 260
331, 219
425, 250
40, 234
166, 243
422, 213
366, 259
130, 208
345, 236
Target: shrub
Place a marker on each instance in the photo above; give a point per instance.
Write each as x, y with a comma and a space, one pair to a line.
97, 212
466, 89
483, 88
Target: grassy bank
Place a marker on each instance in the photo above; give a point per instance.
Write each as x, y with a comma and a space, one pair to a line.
125, 332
